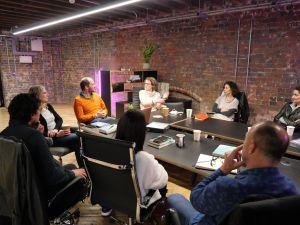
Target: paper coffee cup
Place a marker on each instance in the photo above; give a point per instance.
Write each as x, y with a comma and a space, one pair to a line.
165, 111
67, 128
290, 130
249, 128
197, 135
189, 113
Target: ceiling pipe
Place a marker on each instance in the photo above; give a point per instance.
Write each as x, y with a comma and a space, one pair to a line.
190, 15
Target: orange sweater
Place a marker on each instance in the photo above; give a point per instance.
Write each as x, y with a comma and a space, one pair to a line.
86, 108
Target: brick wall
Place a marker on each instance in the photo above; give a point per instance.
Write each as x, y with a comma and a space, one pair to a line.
194, 54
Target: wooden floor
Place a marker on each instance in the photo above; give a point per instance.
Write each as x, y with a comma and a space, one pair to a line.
179, 179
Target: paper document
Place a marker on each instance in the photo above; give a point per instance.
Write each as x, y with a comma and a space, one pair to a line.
221, 149
210, 162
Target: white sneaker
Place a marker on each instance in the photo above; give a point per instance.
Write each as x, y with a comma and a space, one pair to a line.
105, 211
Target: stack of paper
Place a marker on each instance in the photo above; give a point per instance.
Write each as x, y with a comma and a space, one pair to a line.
210, 162
161, 141
158, 127
105, 128
295, 143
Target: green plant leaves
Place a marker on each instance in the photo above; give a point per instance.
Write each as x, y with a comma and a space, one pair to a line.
148, 51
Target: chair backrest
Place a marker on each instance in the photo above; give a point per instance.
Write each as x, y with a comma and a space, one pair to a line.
178, 106
111, 167
135, 97
243, 113
22, 200
284, 210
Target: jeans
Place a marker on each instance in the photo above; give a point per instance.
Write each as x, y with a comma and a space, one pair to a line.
71, 141
187, 214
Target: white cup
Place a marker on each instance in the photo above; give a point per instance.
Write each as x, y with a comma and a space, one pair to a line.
189, 113
197, 134
290, 130
249, 129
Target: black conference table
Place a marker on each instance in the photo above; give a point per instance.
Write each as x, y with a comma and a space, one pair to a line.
186, 157
226, 130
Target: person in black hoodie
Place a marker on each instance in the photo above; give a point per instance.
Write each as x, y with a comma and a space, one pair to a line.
52, 124
24, 110
289, 115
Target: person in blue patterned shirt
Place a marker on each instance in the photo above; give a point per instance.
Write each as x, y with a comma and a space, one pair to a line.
217, 194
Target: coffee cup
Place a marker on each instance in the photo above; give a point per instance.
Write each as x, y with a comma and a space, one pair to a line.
165, 111
290, 130
197, 134
180, 140
189, 113
66, 128
249, 128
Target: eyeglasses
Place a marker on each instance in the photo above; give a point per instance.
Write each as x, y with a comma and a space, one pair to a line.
213, 160
147, 84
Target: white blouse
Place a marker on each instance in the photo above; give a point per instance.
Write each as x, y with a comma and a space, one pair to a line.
147, 97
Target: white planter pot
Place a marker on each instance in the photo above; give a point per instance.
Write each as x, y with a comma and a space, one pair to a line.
146, 66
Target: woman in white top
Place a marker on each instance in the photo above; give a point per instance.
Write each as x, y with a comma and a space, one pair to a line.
226, 104
149, 97
151, 175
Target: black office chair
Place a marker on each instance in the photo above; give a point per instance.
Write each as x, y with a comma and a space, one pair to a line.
275, 211
243, 113
22, 199
178, 106
135, 97
110, 164
258, 210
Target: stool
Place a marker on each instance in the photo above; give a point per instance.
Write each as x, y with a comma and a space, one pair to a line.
60, 152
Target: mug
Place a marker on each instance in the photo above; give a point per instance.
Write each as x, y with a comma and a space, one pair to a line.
180, 140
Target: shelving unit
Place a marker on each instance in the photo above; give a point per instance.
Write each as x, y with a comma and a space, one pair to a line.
116, 92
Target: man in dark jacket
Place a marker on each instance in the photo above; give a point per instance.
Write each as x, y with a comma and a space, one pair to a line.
24, 111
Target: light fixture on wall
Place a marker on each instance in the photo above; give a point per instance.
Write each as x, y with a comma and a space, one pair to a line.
76, 16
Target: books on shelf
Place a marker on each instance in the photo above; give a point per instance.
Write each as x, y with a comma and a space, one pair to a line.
157, 127
105, 128
221, 149
210, 162
295, 143
161, 141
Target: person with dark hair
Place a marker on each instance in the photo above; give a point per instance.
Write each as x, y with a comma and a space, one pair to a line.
52, 124
89, 106
226, 104
149, 97
289, 115
217, 194
24, 110
151, 175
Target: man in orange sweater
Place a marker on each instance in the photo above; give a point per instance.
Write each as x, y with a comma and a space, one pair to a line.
89, 106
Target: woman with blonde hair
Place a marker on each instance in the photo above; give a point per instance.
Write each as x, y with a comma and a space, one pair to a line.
52, 123
149, 97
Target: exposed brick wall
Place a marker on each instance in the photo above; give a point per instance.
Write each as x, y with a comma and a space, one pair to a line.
195, 55
45, 70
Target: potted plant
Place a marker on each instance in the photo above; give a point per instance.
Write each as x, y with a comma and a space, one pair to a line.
147, 52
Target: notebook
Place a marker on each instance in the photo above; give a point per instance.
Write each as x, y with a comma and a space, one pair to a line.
221, 149
210, 162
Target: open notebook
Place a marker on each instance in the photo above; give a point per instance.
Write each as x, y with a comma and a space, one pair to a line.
210, 162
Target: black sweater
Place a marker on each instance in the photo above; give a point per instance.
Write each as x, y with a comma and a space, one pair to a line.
52, 175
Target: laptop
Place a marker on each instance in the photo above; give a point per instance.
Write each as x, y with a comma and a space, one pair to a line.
147, 114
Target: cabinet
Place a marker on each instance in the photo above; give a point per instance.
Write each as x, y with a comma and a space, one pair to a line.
146, 73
